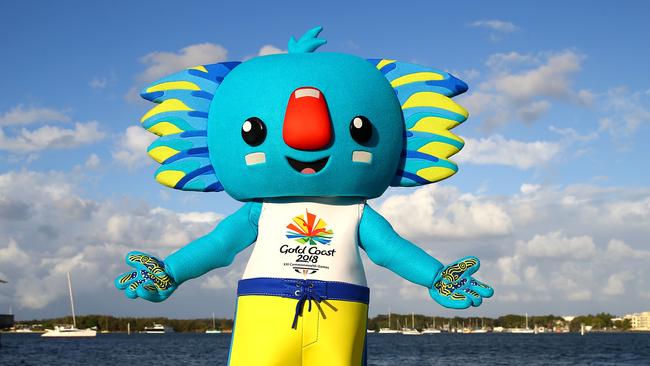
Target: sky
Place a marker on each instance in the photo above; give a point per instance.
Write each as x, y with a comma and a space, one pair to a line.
552, 193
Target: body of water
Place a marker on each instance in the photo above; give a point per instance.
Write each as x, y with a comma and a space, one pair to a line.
383, 349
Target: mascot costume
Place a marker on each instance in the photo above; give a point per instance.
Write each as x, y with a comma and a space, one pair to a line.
304, 139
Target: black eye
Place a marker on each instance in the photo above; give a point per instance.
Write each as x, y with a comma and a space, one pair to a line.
361, 129
253, 131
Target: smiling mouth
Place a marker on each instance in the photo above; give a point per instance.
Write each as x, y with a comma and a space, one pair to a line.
310, 167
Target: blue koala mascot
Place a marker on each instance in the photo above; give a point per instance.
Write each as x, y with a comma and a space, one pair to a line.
304, 139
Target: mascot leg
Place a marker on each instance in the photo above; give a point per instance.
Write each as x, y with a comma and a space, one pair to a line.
295, 323
339, 333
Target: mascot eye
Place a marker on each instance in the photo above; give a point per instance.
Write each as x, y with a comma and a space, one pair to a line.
253, 131
361, 129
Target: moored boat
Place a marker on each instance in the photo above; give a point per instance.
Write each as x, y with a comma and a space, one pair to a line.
65, 331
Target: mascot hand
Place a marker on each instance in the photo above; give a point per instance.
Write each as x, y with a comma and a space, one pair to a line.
149, 280
454, 287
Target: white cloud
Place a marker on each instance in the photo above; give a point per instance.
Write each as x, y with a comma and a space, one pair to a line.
13, 254
630, 211
561, 246
131, 149
214, 282
270, 49
556, 245
200, 217
571, 135
21, 115
93, 161
495, 25
98, 83
67, 232
504, 61
616, 283
527, 188
495, 149
521, 86
626, 112
549, 79
51, 137
443, 212
533, 111
160, 63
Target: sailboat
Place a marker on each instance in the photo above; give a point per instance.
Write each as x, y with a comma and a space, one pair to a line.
433, 329
70, 330
412, 330
388, 330
214, 329
523, 330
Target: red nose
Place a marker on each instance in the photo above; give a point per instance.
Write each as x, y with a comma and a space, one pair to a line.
307, 124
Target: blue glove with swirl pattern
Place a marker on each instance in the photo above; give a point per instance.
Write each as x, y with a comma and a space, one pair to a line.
454, 287
149, 280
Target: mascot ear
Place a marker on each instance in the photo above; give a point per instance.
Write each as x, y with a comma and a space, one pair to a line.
429, 113
181, 121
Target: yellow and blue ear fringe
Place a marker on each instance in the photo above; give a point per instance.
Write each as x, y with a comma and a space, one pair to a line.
180, 118
429, 115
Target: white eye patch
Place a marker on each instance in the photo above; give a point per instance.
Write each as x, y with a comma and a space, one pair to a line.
362, 157
255, 158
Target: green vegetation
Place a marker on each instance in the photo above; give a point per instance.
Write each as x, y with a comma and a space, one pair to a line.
598, 322
602, 321
115, 324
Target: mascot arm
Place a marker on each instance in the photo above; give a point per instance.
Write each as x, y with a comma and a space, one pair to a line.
217, 249
155, 280
451, 286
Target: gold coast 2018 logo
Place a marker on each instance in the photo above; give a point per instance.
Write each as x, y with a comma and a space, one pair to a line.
309, 229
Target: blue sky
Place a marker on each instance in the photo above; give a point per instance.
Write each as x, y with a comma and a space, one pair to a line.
552, 177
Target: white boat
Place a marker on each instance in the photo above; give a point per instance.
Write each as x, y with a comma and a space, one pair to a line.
478, 330
214, 329
388, 330
412, 330
523, 330
60, 331
69, 330
433, 329
157, 329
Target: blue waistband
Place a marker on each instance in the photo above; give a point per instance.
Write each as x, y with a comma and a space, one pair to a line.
296, 289
303, 291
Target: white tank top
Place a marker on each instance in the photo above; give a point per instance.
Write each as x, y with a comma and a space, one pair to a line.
308, 240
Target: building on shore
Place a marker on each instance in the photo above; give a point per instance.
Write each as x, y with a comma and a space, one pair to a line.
639, 321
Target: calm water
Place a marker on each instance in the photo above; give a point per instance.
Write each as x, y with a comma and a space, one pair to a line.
440, 349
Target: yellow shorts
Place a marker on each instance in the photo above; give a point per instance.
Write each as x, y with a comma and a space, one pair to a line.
331, 333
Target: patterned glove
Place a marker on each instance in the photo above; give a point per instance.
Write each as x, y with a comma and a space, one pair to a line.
149, 281
454, 287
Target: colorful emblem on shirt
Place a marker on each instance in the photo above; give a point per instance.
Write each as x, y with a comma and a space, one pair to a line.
310, 229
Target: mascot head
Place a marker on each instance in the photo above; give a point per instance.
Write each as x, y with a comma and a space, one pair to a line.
304, 124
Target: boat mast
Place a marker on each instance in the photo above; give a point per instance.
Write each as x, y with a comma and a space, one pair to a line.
214, 326
74, 321
526, 320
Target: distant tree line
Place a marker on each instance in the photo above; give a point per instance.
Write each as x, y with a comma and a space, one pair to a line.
601, 321
119, 324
